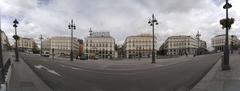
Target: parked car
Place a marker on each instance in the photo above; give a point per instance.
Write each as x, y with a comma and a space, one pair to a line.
84, 57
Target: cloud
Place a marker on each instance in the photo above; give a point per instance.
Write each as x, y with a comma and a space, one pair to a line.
121, 17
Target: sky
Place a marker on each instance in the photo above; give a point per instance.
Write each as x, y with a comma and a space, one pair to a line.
121, 18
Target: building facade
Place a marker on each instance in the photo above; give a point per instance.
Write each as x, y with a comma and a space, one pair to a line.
61, 46
5, 43
139, 46
26, 44
218, 42
99, 44
81, 45
203, 44
182, 45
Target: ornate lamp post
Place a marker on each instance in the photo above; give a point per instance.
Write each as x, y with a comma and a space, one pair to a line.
232, 44
72, 27
140, 52
226, 23
153, 22
198, 38
41, 38
16, 37
90, 44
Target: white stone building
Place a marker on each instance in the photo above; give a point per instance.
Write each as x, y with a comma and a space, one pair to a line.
26, 44
5, 42
61, 46
218, 42
182, 44
139, 46
99, 44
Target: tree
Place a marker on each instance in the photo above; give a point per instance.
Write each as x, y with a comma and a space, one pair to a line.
119, 50
35, 48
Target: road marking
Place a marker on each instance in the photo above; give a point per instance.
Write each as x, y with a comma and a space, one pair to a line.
63, 65
49, 70
74, 68
38, 66
80, 69
54, 72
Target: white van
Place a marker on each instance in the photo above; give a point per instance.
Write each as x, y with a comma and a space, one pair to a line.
45, 53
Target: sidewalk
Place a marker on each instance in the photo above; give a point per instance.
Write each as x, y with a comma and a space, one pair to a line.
24, 79
218, 80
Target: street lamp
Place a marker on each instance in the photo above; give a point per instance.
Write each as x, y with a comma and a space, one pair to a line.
188, 46
41, 38
90, 44
72, 27
232, 44
198, 38
153, 22
16, 37
226, 23
140, 52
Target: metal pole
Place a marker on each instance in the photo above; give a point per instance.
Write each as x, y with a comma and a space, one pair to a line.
16, 38
153, 49
41, 45
226, 50
1, 55
53, 54
140, 52
231, 48
198, 46
71, 41
16, 46
198, 42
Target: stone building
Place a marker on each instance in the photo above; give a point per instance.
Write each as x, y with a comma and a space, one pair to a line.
218, 42
182, 45
99, 45
61, 46
139, 46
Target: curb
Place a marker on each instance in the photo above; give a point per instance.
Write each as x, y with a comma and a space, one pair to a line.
204, 82
9, 74
4, 86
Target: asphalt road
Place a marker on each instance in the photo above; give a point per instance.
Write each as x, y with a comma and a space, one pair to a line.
180, 77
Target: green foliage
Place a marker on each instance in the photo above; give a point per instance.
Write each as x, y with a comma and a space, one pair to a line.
235, 47
226, 23
35, 49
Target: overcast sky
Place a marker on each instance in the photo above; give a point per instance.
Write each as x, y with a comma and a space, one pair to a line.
121, 18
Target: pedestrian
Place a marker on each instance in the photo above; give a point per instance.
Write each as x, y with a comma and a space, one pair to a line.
77, 57
186, 54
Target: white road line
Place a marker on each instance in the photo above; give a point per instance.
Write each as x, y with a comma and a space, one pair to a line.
63, 65
38, 66
54, 72
75, 68
49, 70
